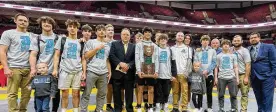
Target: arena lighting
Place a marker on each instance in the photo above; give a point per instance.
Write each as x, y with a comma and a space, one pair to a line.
109, 16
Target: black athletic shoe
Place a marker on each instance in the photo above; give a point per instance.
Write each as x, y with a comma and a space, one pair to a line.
109, 109
175, 110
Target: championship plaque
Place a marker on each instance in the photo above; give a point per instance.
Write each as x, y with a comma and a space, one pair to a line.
148, 68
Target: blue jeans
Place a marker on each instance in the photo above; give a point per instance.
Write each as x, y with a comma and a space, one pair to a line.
42, 103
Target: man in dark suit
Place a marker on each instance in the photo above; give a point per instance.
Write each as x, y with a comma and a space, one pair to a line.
122, 56
263, 71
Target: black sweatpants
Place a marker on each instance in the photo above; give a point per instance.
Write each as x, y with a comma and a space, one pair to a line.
209, 87
197, 100
163, 90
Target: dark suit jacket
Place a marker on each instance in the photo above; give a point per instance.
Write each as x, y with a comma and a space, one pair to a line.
265, 64
117, 55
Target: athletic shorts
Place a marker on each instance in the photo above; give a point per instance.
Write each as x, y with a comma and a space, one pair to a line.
146, 81
68, 80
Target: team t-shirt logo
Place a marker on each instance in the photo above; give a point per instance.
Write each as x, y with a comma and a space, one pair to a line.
163, 57
204, 59
72, 51
183, 51
100, 54
49, 48
42, 80
25, 43
226, 62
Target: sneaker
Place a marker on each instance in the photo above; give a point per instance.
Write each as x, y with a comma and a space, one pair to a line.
209, 110
200, 110
175, 110
158, 107
162, 106
233, 110
221, 110
146, 106
150, 110
166, 107
154, 106
109, 109
195, 110
139, 110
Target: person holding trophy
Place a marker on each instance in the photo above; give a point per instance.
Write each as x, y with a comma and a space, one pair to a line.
147, 66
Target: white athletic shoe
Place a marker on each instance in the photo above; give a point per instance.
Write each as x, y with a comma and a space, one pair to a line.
63, 110
75, 109
139, 110
166, 107
195, 110
150, 110
158, 107
209, 110
201, 110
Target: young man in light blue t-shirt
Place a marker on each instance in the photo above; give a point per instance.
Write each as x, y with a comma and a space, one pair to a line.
207, 56
96, 52
42, 51
226, 74
72, 66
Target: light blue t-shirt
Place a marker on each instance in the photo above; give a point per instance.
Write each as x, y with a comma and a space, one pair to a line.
47, 45
97, 63
207, 56
70, 58
18, 48
164, 63
226, 63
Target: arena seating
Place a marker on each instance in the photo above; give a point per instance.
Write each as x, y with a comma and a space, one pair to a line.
249, 15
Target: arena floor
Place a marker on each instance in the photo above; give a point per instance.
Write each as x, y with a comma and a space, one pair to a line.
252, 105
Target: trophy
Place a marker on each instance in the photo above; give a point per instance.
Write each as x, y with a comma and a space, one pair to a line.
148, 68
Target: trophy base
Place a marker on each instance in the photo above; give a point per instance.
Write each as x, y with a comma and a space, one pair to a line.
148, 76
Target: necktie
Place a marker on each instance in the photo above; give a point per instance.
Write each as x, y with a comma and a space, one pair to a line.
254, 53
125, 47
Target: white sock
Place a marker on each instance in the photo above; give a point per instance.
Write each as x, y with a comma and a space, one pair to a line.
75, 109
63, 110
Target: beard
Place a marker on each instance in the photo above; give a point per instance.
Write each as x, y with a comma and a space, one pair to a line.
254, 43
22, 26
239, 45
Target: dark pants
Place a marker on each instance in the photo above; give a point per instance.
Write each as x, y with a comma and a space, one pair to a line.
155, 93
55, 102
128, 85
233, 91
42, 103
264, 92
209, 87
197, 100
162, 90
